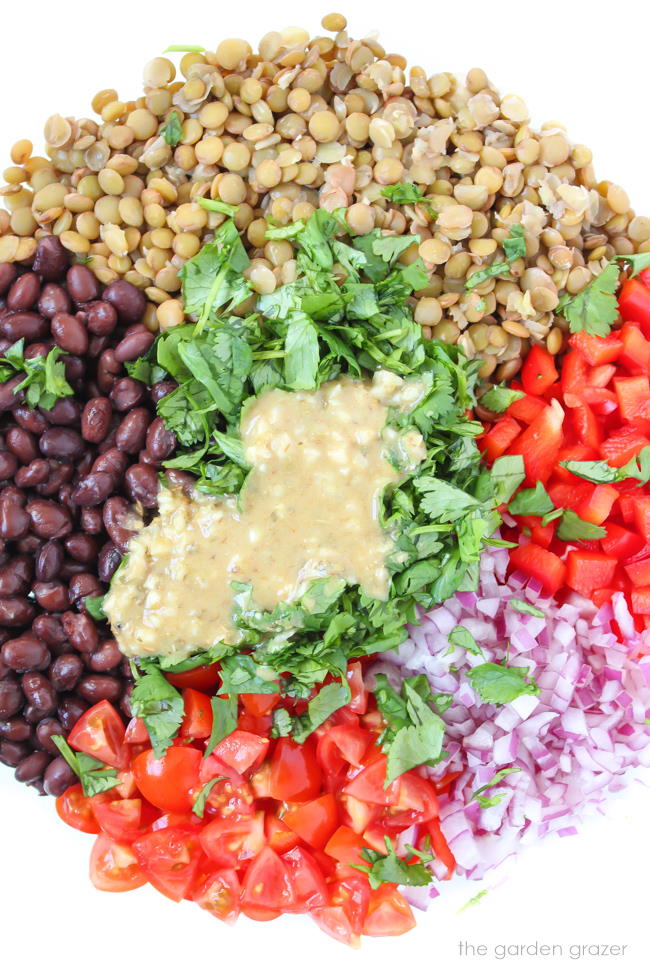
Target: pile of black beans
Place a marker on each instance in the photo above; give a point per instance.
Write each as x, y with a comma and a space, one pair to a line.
69, 476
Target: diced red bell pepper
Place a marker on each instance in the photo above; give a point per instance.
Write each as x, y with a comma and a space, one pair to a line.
639, 573
620, 543
622, 445
565, 494
634, 303
540, 443
540, 564
574, 372
602, 401
633, 394
601, 596
539, 533
538, 372
586, 425
587, 571
597, 506
527, 408
596, 349
576, 452
626, 501
497, 440
642, 516
644, 276
635, 355
640, 599
601, 376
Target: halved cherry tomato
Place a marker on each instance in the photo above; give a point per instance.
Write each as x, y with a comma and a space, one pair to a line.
168, 782
99, 732
306, 881
120, 818
219, 894
229, 843
266, 891
199, 678
197, 722
242, 750
75, 809
169, 859
389, 913
314, 821
114, 866
295, 772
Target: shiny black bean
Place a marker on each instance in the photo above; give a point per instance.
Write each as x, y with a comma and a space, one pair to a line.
32, 420
11, 697
15, 729
54, 300
116, 511
161, 389
49, 561
64, 497
36, 472
34, 349
61, 443
82, 284
96, 419
59, 474
84, 584
16, 576
108, 369
13, 752
81, 548
51, 259
113, 462
24, 292
24, 325
44, 731
25, 653
81, 631
9, 398
70, 710
8, 465
128, 301
134, 345
101, 318
28, 545
8, 274
91, 522
106, 657
22, 443
75, 369
66, 671
107, 562
69, 334
93, 489
66, 412
49, 519
160, 441
58, 777
52, 596
39, 692
142, 483
131, 434
95, 689
127, 393
32, 767
48, 628
16, 611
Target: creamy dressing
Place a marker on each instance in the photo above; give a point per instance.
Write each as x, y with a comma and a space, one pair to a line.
309, 509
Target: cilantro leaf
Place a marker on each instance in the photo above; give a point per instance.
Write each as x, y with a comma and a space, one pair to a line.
573, 528
388, 868
216, 206
224, 720
532, 501
460, 636
172, 132
198, 806
159, 705
408, 193
600, 472
521, 607
329, 699
498, 684
514, 245
301, 353
93, 776
507, 473
499, 398
241, 675
473, 901
95, 606
415, 733
595, 309
486, 802
43, 377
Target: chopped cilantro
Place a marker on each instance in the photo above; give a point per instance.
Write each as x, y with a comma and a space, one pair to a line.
499, 398
414, 732
95, 606
595, 309
514, 247
93, 775
43, 377
499, 684
408, 193
172, 132
473, 901
521, 607
328, 700
159, 705
600, 472
185, 48
224, 720
198, 807
461, 637
486, 802
572, 528
532, 501
216, 206
388, 868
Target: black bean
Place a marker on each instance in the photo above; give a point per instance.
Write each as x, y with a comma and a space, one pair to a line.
141, 481
35, 349
51, 259
16, 611
44, 731
108, 369
101, 318
24, 325
90, 520
75, 369
32, 767
81, 548
66, 412
54, 300
81, 631
22, 443
49, 519
11, 697
16, 576
32, 420
8, 274
13, 752
106, 657
28, 545
127, 393
70, 710
95, 689
8, 465
134, 345
107, 562
84, 584
59, 474
25, 653
160, 441
128, 301
39, 692
48, 628
24, 292
9, 398
61, 443
52, 596
113, 462
58, 777
15, 729
82, 284
131, 434
161, 389
93, 489
96, 419
116, 511
36, 472
69, 334
66, 671
49, 561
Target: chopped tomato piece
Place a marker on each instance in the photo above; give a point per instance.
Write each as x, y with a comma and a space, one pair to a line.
169, 859
356, 814
597, 349
352, 893
335, 922
314, 821
587, 571
199, 678
497, 440
306, 880
168, 782
99, 732
359, 695
120, 818
345, 846
229, 843
342, 744
368, 785
540, 443
538, 372
634, 303
219, 894
197, 722
278, 835
75, 809
597, 506
389, 913
295, 772
242, 751
259, 704
136, 732
266, 890
540, 564
114, 866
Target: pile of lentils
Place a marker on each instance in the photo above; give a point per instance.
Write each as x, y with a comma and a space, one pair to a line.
70, 479
329, 122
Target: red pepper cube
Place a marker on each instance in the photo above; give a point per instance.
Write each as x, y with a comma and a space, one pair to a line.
538, 533
601, 376
540, 444
623, 445
596, 349
635, 355
597, 507
574, 372
620, 543
640, 599
497, 440
634, 304
633, 394
587, 571
642, 516
540, 564
639, 573
538, 372
527, 408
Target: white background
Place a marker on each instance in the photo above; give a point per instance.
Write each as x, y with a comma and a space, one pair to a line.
584, 63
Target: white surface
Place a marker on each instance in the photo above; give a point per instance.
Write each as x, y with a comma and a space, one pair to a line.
580, 62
